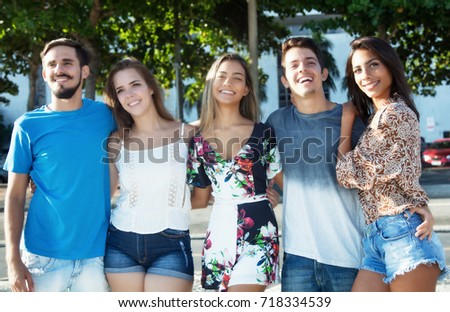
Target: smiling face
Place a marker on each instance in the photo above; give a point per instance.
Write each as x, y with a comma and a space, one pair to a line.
62, 71
229, 85
132, 91
303, 74
371, 75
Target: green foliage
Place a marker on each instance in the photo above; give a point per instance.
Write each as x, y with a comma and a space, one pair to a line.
7, 86
418, 29
163, 33
5, 134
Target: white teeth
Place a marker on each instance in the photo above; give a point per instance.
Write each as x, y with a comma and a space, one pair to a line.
305, 79
133, 103
226, 92
370, 85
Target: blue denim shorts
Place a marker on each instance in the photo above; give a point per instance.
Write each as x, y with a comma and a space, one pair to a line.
166, 253
391, 247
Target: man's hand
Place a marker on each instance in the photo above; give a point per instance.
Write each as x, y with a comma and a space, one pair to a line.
272, 194
19, 277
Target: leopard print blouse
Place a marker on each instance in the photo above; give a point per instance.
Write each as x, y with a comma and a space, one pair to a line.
385, 165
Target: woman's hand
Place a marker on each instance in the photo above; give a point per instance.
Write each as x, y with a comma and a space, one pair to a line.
425, 229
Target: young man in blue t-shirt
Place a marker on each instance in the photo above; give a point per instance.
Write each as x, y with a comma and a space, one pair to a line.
322, 222
62, 147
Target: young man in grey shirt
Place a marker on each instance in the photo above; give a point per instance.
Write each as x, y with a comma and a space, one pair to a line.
322, 222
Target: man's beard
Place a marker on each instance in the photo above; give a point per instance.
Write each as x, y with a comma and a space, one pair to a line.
68, 93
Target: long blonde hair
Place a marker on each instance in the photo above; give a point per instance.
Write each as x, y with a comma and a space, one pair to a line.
248, 107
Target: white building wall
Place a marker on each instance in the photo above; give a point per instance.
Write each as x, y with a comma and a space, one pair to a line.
18, 103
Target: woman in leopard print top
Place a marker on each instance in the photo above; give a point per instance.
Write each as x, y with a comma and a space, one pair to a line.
401, 251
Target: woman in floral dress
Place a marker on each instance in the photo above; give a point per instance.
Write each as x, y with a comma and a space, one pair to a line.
233, 156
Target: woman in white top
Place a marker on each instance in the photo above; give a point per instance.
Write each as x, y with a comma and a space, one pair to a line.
148, 245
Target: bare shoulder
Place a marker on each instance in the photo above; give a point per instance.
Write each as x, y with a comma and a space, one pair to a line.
189, 131
182, 129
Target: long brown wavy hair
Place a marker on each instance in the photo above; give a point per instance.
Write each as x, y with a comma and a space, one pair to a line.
123, 118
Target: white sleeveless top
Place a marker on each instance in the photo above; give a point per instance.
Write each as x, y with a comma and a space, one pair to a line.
154, 195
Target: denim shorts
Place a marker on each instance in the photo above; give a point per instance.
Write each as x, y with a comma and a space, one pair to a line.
167, 253
51, 274
300, 274
391, 247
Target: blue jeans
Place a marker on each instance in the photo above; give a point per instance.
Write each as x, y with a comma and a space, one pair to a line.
51, 274
300, 274
391, 247
167, 253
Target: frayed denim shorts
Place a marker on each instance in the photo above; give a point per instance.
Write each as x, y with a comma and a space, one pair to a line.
391, 247
167, 253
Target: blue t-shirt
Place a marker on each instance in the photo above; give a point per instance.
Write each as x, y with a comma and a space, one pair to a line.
321, 220
65, 153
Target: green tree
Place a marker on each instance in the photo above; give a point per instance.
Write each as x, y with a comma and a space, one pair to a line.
28, 24
178, 39
419, 29
165, 34
7, 86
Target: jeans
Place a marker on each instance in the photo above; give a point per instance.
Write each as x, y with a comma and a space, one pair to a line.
391, 247
301, 274
51, 274
167, 253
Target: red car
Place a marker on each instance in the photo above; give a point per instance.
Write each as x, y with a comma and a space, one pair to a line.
438, 153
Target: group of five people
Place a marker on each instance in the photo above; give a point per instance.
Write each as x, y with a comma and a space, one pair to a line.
336, 165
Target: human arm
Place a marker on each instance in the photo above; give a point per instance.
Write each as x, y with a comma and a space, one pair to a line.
349, 113
200, 196
278, 178
272, 194
113, 155
19, 277
379, 157
196, 176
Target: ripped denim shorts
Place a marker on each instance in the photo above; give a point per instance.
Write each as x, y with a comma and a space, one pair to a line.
391, 247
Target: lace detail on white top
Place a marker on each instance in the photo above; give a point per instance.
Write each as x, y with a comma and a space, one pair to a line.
153, 189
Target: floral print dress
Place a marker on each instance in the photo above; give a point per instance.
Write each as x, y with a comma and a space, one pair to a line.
241, 244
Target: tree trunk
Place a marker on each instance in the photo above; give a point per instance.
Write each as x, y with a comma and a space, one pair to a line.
32, 78
179, 114
91, 81
253, 44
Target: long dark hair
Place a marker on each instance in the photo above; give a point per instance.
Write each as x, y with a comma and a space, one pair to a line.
123, 118
400, 89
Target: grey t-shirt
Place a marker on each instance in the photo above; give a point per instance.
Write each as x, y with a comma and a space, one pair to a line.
321, 220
